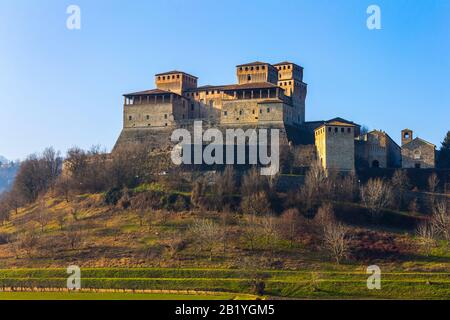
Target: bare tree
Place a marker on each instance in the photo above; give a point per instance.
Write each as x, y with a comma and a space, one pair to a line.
426, 234
42, 216
325, 215
5, 210
316, 186
207, 232
198, 193
413, 206
75, 211
400, 185
376, 195
269, 231
336, 240
28, 241
440, 219
289, 225
74, 237
433, 183
63, 187
256, 204
346, 188
61, 219
253, 182
225, 186
175, 243
335, 234
250, 229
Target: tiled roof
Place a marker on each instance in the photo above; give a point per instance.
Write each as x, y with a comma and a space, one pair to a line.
150, 92
228, 87
175, 72
251, 64
253, 85
417, 139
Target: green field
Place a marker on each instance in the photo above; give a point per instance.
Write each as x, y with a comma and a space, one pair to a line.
289, 284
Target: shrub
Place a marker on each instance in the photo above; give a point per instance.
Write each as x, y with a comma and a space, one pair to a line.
113, 196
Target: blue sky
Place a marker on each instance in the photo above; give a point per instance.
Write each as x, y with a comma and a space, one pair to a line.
61, 87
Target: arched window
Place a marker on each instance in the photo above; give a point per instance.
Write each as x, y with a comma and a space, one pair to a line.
417, 154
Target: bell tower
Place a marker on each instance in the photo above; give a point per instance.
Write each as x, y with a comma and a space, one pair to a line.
407, 136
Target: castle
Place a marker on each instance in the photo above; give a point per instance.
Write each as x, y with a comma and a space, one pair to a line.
265, 96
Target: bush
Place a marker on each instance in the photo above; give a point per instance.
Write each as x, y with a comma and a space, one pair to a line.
148, 199
113, 196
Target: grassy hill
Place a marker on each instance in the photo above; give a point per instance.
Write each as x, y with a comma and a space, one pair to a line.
120, 247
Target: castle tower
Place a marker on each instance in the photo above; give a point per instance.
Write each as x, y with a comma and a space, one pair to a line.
256, 72
175, 81
335, 144
407, 136
290, 79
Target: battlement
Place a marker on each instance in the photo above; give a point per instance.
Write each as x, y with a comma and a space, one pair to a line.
175, 81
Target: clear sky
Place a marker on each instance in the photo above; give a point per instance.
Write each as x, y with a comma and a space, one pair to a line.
61, 87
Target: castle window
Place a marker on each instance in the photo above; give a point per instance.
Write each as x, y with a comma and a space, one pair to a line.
178, 76
225, 113
263, 67
148, 117
349, 130
342, 130
165, 124
253, 111
192, 107
240, 68
249, 78
284, 67
165, 116
268, 110
335, 129
289, 67
164, 78
240, 112
159, 78
257, 68
130, 118
251, 68
246, 68
329, 129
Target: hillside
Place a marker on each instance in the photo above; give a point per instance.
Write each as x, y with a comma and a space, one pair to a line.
54, 233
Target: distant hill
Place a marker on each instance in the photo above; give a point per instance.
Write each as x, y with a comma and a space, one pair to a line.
8, 172
3, 160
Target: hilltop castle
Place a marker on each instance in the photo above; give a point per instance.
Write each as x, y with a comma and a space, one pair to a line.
265, 96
